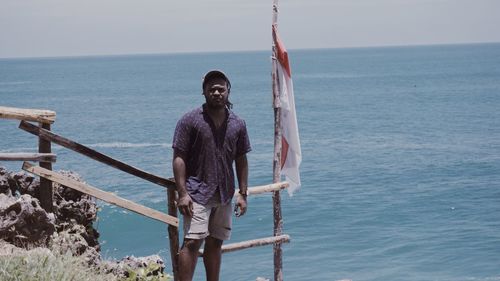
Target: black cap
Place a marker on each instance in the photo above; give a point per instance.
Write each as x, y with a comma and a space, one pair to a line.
215, 74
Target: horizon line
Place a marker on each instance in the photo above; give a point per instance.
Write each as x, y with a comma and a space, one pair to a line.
242, 51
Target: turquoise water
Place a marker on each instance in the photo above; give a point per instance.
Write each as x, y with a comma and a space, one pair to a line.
401, 153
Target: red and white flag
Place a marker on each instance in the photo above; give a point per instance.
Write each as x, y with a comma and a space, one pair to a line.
291, 155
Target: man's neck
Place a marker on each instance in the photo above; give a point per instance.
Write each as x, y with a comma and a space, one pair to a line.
218, 115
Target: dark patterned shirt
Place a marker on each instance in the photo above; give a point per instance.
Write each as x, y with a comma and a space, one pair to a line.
210, 153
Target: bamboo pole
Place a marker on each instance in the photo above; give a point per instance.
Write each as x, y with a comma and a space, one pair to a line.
49, 136
252, 243
44, 146
278, 221
268, 188
37, 157
35, 115
99, 194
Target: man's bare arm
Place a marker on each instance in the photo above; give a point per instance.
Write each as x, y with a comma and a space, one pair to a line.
242, 174
185, 202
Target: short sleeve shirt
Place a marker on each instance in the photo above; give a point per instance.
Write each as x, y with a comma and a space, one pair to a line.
210, 153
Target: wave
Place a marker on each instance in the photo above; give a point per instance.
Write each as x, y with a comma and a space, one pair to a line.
32, 149
14, 83
127, 145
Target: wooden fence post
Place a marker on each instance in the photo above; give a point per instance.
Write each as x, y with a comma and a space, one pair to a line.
44, 146
173, 233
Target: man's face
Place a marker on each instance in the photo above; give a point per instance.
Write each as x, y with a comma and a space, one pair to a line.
216, 93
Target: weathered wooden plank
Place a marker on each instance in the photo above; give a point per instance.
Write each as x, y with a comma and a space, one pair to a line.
36, 115
46, 192
47, 135
284, 238
99, 194
21, 156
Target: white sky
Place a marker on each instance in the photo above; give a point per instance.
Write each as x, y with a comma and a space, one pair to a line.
34, 28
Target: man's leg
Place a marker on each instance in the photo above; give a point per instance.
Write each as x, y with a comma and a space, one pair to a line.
220, 230
212, 258
188, 256
195, 231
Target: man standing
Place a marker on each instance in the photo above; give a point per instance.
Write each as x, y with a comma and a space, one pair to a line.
207, 141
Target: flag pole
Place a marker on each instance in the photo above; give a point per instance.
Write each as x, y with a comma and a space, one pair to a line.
278, 221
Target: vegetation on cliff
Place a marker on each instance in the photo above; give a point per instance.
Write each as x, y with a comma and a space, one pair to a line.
36, 245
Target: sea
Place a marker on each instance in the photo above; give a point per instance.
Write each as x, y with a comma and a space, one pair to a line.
401, 153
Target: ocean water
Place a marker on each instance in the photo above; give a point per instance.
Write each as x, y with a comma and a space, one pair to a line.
401, 153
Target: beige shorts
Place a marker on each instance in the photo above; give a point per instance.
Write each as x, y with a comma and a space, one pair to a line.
213, 219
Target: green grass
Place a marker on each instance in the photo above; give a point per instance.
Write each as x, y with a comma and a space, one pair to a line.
43, 265
60, 262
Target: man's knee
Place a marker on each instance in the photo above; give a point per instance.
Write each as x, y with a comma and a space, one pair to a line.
213, 242
192, 245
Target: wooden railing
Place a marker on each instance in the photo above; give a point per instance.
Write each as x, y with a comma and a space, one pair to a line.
99, 194
44, 156
47, 176
84, 150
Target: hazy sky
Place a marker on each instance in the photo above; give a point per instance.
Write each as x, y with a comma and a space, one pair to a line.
90, 27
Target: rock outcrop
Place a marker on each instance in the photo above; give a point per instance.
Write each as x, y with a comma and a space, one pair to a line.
23, 221
25, 225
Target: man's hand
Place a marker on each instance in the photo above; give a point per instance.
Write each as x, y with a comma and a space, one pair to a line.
240, 208
185, 205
